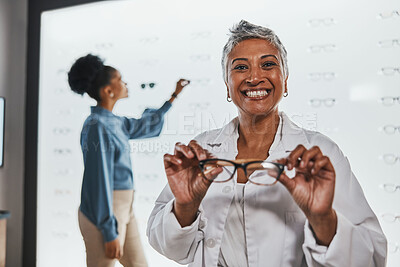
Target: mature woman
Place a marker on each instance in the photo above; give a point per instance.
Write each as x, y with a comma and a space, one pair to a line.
223, 205
106, 219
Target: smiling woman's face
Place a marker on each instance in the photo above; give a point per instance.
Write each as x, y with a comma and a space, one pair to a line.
255, 77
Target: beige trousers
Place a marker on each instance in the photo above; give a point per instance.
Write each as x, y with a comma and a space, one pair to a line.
128, 234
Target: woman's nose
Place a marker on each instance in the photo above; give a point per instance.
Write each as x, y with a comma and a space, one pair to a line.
255, 76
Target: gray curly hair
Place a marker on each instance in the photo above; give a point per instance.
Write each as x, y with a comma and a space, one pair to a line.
246, 30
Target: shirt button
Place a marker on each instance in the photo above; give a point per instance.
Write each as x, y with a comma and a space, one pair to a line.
210, 243
227, 189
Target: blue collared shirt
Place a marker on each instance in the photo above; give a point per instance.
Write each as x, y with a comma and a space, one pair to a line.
106, 154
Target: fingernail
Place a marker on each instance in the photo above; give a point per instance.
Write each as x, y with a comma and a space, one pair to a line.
302, 164
180, 161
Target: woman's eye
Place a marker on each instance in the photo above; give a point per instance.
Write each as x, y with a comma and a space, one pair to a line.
240, 67
269, 64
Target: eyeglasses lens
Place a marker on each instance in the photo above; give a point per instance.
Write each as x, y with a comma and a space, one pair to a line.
218, 171
263, 173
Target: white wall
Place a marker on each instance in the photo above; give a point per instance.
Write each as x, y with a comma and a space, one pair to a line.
13, 29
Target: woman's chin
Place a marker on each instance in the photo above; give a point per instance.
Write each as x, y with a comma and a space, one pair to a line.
259, 111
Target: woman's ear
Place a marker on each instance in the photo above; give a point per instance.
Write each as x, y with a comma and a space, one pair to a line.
286, 89
228, 97
107, 92
227, 89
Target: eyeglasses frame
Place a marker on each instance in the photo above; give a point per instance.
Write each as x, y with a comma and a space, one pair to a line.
241, 164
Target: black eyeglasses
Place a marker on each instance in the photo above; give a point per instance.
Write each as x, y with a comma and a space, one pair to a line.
259, 172
150, 85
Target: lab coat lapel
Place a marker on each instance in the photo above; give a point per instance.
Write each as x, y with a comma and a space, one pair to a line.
223, 143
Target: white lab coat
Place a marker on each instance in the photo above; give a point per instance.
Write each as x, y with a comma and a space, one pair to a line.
277, 232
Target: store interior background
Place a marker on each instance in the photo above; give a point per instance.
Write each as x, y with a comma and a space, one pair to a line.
336, 50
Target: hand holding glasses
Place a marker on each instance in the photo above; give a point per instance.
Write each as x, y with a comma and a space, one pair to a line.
312, 187
180, 85
186, 185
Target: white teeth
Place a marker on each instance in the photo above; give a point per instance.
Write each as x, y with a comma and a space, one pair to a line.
256, 93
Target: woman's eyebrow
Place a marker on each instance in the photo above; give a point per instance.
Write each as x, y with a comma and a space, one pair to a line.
239, 59
264, 56
245, 59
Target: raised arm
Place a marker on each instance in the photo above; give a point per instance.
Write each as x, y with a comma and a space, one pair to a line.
152, 120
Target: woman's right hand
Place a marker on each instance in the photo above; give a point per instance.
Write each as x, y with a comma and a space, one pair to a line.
189, 188
180, 85
113, 249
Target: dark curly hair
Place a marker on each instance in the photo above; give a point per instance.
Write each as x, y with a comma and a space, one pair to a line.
88, 75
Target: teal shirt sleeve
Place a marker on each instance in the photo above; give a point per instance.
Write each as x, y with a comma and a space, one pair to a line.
149, 125
97, 186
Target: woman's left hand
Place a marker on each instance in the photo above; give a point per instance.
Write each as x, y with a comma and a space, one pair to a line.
313, 189
180, 85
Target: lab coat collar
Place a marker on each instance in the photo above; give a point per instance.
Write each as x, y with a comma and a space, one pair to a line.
287, 138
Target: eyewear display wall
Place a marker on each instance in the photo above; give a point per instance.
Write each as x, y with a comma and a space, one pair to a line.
344, 82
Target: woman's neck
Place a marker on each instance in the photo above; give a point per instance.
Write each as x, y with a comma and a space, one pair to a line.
258, 132
108, 105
